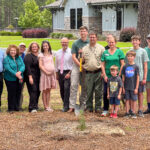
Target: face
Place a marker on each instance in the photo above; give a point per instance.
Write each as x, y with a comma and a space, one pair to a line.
83, 33
22, 49
130, 58
114, 73
112, 43
45, 47
13, 52
148, 41
136, 42
64, 43
108, 37
93, 39
34, 48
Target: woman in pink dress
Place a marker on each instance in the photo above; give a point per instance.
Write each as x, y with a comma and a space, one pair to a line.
48, 78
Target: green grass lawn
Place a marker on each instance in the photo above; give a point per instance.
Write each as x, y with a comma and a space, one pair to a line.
55, 43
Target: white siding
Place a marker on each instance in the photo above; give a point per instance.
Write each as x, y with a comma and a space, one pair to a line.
58, 20
130, 16
108, 19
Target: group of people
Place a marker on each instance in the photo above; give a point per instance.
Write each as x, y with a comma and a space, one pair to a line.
101, 72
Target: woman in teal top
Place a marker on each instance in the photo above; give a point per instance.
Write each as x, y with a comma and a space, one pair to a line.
13, 75
112, 56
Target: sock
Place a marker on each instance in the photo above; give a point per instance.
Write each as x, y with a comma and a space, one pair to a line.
148, 104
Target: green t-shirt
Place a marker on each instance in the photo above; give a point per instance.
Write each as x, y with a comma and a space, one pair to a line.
148, 63
112, 60
79, 44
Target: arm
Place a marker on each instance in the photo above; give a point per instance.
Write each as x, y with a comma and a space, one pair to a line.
145, 73
121, 67
103, 72
137, 85
22, 66
119, 94
123, 79
76, 61
42, 67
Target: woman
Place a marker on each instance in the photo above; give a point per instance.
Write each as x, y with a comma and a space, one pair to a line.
32, 75
47, 79
13, 75
112, 56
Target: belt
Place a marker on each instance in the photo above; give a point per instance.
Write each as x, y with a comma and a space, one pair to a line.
96, 71
65, 71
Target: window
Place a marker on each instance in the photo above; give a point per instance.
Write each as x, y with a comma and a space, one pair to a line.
72, 18
119, 19
75, 18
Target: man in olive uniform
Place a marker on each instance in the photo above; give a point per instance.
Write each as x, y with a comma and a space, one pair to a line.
92, 64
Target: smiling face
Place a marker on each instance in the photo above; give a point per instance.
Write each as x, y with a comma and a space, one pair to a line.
112, 43
83, 33
130, 58
34, 48
93, 39
114, 72
64, 43
45, 47
136, 43
13, 52
22, 48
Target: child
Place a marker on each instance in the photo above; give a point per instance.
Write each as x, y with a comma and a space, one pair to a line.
47, 79
130, 78
140, 60
114, 89
148, 76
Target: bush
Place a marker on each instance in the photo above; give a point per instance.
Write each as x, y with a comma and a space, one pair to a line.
126, 34
10, 27
61, 35
5, 33
35, 33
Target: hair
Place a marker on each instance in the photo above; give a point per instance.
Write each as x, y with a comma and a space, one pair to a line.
131, 52
136, 37
30, 47
113, 37
49, 49
92, 33
114, 67
12, 46
83, 27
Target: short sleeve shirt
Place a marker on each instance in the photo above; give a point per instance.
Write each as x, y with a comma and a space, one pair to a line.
77, 45
114, 84
130, 72
92, 57
148, 63
140, 59
112, 60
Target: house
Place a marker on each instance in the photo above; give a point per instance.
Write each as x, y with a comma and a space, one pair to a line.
105, 16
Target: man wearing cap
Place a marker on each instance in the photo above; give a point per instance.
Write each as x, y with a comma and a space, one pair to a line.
22, 48
92, 64
1, 74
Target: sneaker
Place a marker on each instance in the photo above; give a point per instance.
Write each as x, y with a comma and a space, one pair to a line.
140, 113
133, 116
111, 115
49, 109
34, 111
147, 111
115, 115
127, 115
104, 113
130, 112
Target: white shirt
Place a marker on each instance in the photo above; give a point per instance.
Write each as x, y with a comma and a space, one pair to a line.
68, 62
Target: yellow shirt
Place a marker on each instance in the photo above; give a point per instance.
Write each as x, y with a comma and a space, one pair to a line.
92, 57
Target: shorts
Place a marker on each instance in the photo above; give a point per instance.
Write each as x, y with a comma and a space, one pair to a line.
129, 95
114, 101
148, 84
141, 88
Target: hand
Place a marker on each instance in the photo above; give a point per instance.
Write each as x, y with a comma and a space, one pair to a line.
18, 74
57, 76
106, 78
108, 97
67, 76
31, 80
80, 51
135, 91
123, 91
119, 96
144, 82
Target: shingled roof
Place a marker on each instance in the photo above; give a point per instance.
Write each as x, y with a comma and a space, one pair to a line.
60, 3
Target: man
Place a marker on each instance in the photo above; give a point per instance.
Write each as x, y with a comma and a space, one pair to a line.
22, 48
1, 75
63, 72
92, 64
75, 75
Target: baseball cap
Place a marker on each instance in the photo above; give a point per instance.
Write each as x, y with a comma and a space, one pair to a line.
22, 44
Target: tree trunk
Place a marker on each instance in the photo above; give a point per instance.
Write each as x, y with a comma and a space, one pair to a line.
144, 20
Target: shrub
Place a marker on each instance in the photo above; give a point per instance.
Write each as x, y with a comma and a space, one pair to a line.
10, 27
35, 33
61, 35
69, 35
126, 34
6, 33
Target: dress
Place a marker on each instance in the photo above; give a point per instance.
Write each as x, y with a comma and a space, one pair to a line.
47, 81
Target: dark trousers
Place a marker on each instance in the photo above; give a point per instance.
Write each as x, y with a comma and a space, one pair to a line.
105, 100
1, 86
34, 94
14, 93
64, 88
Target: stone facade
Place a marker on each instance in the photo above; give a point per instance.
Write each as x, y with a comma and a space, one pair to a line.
115, 33
67, 23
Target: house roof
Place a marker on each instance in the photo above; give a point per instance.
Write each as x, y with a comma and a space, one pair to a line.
61, 3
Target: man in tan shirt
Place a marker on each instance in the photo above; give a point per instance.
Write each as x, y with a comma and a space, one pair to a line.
92, 64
